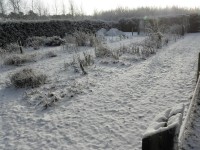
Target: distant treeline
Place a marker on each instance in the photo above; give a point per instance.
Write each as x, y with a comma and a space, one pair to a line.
134, 24
119, 13
13, 31
110, 15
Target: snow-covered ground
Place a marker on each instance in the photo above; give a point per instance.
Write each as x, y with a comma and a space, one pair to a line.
110, 108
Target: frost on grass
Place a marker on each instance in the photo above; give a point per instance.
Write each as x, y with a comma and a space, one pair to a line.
49, 96
18, 59
27, 78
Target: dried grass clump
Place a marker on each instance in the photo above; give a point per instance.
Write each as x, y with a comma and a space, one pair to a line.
27, 78
13, 47
18, 59
102, 51
54, 41
36, 42
51, 54
85, 39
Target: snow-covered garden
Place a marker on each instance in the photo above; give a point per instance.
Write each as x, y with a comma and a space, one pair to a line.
99, 93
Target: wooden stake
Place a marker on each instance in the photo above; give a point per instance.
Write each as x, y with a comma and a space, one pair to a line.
198, 69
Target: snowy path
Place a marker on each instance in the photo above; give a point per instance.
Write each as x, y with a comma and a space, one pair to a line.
114, 114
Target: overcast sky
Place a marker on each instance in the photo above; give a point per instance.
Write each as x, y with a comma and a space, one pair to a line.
90, 5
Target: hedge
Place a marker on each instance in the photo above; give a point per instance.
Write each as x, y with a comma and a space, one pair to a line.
11, 31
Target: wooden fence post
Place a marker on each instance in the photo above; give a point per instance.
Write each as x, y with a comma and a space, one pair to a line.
198, 69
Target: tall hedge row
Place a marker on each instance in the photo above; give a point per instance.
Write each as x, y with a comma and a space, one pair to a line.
13, 31
132, 24
194, 23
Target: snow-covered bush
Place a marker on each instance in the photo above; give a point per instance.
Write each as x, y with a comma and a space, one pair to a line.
12, 48
102, 51
87, 59
54, 41
83, 61
85, 39
82, 38
36, 42
51, 54
27, 78
70, 39
18, 59
80, 62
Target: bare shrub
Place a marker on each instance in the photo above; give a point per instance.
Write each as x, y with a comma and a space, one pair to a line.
94, 41
36, 42
2, 51
82, 38
102, 51
134, 48
17, 59
85, 39
115, 54
79, 63
27, 78
70, 39
51, 54
87, 60
54, 41
13, 48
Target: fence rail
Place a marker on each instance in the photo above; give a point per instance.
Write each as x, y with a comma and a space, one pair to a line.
191, 106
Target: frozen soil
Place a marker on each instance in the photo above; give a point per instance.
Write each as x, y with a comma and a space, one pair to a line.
110, 108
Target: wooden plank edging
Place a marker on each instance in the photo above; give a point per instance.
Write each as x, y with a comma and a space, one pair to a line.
189, 112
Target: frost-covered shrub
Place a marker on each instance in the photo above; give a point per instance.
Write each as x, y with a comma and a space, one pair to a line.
87, 59
51, 54
82, 38
85, 39
36, 42
17, 59
54, 41
2, 51
102, 51
116, 54
12, 48
70, 39
27, 78
94, 41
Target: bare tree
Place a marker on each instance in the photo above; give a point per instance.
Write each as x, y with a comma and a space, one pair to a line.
32, 5
2, 7
45, 11
63, 8
81, 11
15, 5
55, 7
71, 8
39, 7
